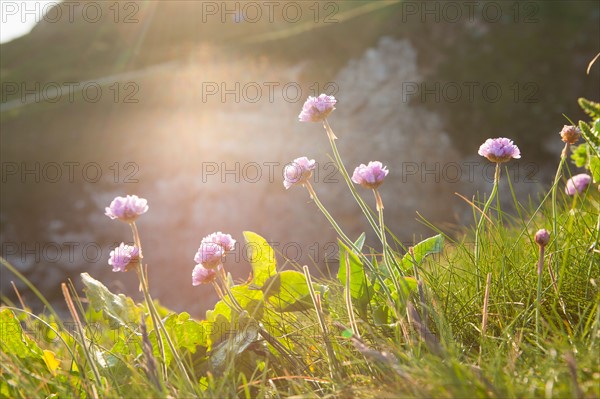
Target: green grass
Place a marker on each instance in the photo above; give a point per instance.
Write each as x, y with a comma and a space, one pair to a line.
442, 356
438, 320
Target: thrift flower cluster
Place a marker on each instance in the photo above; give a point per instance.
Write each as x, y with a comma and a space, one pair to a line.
210, 256
371, 175
123, 257
127, 209
578, 184
499, 150
570, 134
316, 109
298, 171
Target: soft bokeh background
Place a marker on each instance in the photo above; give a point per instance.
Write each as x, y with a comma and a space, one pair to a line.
419, 88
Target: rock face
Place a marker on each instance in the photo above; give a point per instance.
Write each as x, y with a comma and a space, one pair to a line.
211, 163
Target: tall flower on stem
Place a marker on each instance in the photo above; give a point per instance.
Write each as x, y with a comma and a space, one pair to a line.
569, 135
311, 112
498, 150
303, 167
298, 172
317, 109
128, 209
371, 176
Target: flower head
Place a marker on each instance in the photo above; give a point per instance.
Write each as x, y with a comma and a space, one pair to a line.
123, 257
570, 134
202, 275
298, 171
499, 150
371, 175
578, 184
542, 237
210, 255
224, 240
316, 109
127, 209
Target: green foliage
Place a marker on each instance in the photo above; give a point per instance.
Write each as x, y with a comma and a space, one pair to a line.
187, 334
119, 309
588, 154
429, 246
590, 107
14, 342
287, 291
359, 285
262, 258
228, 356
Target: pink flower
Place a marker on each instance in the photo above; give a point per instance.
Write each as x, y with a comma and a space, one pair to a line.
570, 134
542, 237
210, 255
202, 275
127, 209
371, 175
224, 240
123, 257
298, 172
316, 109
499, 150
578, 184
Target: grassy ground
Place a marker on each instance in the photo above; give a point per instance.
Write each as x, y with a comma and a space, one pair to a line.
469, 322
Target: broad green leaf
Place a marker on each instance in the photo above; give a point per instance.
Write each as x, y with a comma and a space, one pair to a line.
239, 340
262, 258
223, 320
358, 280
407, 285
359, 287
12, 338
431, 245
119, 309
287, 291
185, 333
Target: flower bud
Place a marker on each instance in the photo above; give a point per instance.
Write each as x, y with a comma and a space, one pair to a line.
542, 237
570, 134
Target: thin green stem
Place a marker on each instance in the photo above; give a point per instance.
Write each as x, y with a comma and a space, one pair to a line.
348, 298
480, 225
334, 368
386, 260
557, 177
338, 159
350, 243
540, 268
156, 320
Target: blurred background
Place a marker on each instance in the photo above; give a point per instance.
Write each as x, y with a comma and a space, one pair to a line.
193, 105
